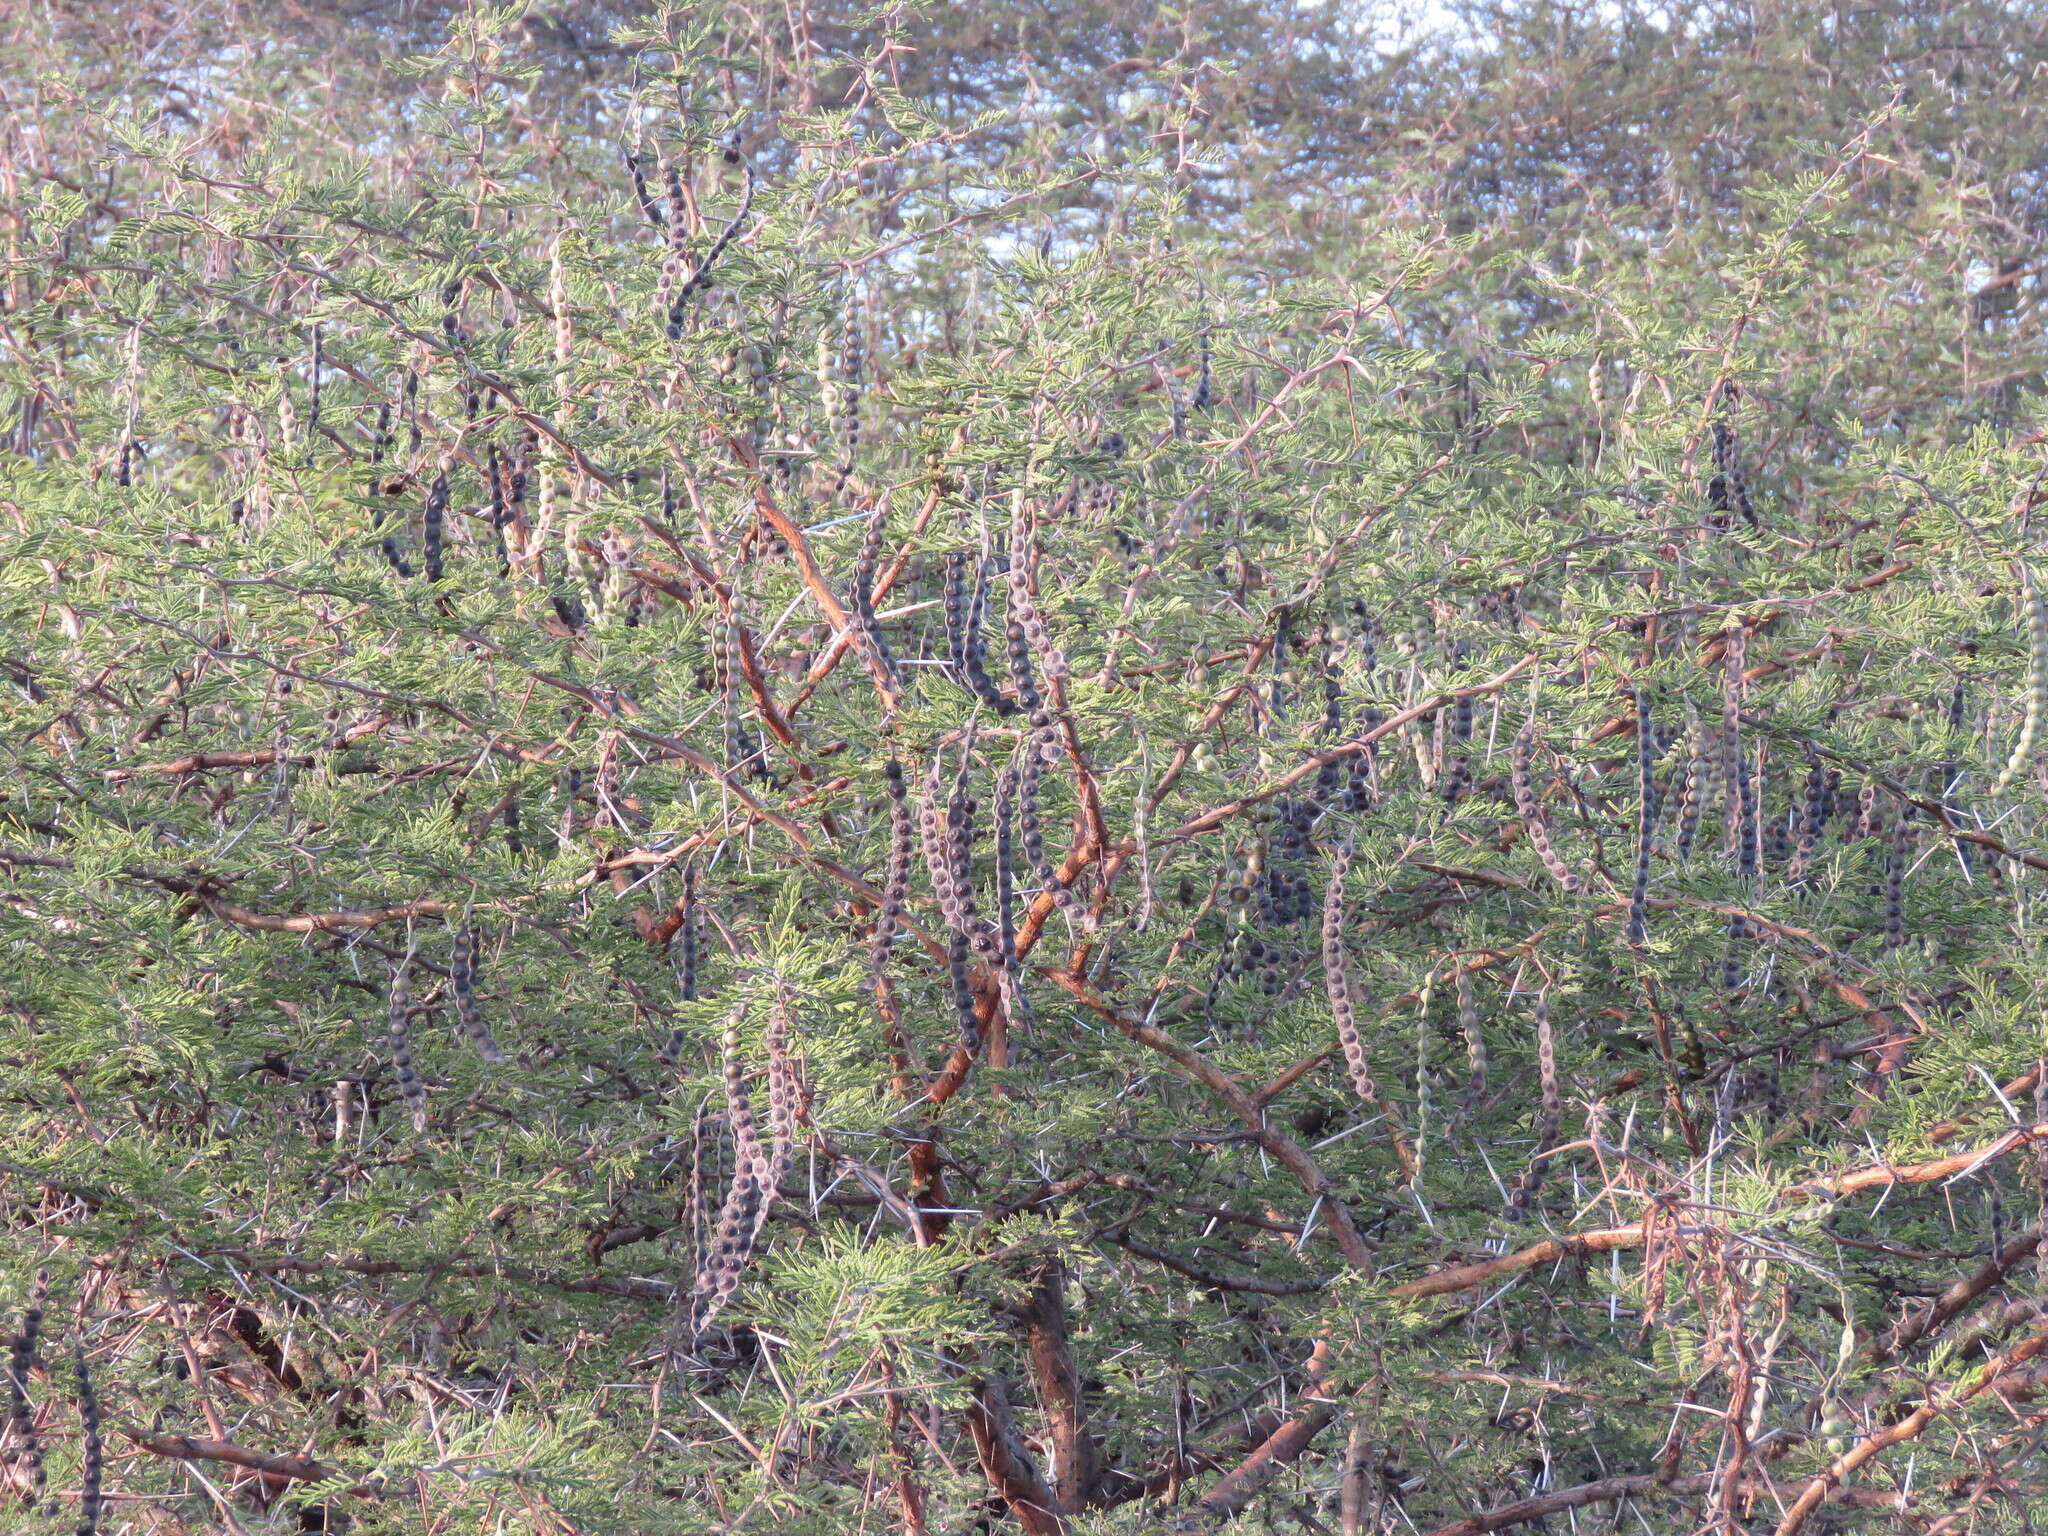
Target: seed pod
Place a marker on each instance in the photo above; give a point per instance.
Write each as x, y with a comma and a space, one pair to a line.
313, 395
849, 410
1550, 1117
700, 277
1205, 381
954, 604
1693, 791
21, 1357
2037, 685
431, 518
1742, 820
92, 1453
494, 485
783, 1093
937, 845
896, 889
686, 941
1034, 748
1021, 677
1337, 983
462, 980
1812, 820
866, 627
1646, 820
732, 1243
513, 845
1475, 1044
1895, 878
974, 648
1023, 608
1523, 783
410, 1088
1011, 974
1728, 490
650, 208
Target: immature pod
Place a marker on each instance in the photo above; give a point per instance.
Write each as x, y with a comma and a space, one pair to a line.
462, 980
399, 1039
1692, 792
1522, 780
21, 1358
1337, 982
1646, 820
2037, 685
1550, 1117
92, 1451
1475, 1043
686, 944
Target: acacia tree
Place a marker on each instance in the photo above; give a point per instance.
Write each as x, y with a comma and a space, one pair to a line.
1080, 768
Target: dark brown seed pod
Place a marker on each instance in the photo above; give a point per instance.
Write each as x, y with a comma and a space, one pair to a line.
21, 1357
650, 207
1522, 781
1550, 1117
850, 368
462, 980
700, 275
399, 1039
92, 1451
1011, 972
1812, 820
1032, 759
687, 937
725, 1258
1728, 490
432, 517
896, 886
1691, 793
1023, 608
1896, 859
1646, 820
867, 627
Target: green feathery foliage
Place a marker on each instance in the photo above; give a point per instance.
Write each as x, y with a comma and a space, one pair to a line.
1090, 768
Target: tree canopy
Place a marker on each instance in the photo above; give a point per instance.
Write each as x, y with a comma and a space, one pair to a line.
1066, 767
